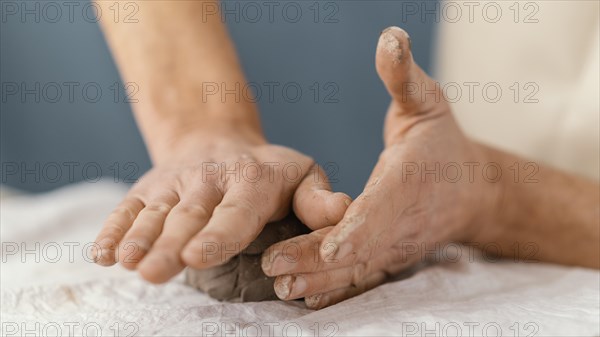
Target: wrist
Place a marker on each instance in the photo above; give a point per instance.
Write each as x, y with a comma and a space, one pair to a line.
171, 118
180, 144
489, 196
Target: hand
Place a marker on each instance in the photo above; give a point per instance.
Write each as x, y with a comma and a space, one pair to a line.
208, 199
402, 206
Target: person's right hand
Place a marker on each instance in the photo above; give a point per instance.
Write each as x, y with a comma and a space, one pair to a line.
208, 199
416, 199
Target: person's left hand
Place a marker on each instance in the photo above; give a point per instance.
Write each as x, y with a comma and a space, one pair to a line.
414, 200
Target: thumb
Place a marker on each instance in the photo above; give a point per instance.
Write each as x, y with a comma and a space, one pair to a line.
412, 91
315, 204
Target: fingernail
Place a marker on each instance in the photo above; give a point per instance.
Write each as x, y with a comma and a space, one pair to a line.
107, 244
96, 253
102, 249
345, 249
385, 30
282, 286
314, 301
266, 263
282, 266
298, 287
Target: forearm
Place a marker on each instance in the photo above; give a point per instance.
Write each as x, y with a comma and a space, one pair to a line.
173, 54
548, 216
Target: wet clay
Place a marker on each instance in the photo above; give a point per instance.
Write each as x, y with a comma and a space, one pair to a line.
241, 279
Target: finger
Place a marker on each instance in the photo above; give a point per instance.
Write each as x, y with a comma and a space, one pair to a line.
149, 220
406, 82
364, 229
314, 203
289, 287
115, 227
188, 217
296, 255
235, 222
323, 300
301, 255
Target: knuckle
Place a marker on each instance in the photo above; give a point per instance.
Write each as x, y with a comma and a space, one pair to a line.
243, 207
326, 277
113, 229
359, 272
373, 247
315, 267
123, 211
196, 210
318, 263
355, 257
158, 207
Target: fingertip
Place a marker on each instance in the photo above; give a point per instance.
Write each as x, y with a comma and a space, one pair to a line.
394, 47
266, 260
315, 302
103, 252
282, 286
191, 255
207, 251
393, 60
310, 206
337, 204
322, 208
152, 269
159, 267
105, 260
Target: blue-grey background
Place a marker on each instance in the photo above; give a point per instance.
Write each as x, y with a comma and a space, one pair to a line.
80, 137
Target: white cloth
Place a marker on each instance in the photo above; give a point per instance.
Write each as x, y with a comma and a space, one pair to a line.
57, 294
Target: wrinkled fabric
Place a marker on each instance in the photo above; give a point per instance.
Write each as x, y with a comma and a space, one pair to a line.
66, 295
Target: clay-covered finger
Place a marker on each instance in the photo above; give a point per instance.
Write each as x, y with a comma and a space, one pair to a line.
291, 287
302, 255
413, 92
315, 204
294, 286
362, 231
115, 227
